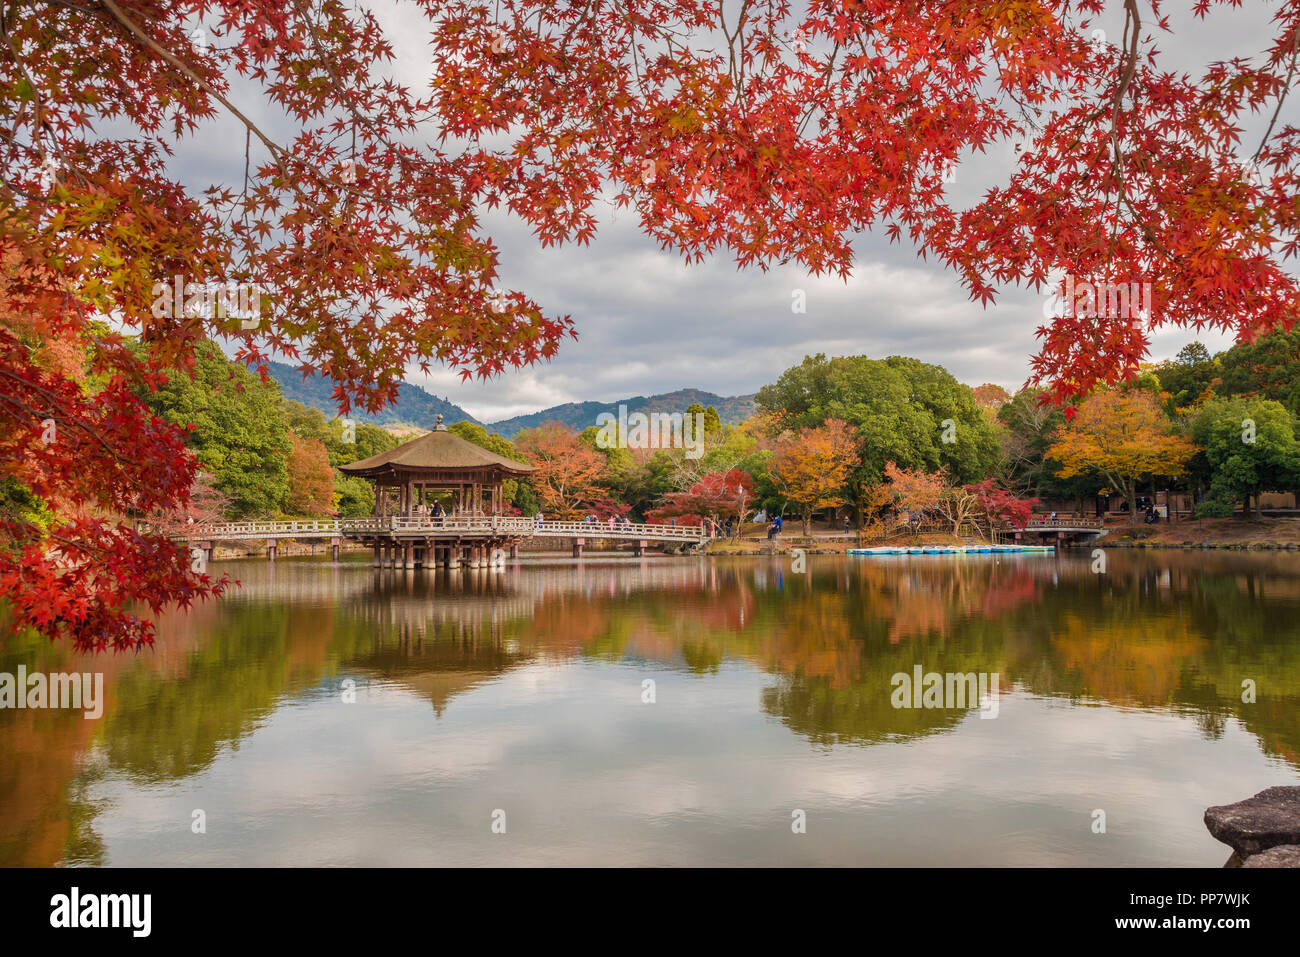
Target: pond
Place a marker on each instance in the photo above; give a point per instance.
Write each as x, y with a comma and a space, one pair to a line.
676, 711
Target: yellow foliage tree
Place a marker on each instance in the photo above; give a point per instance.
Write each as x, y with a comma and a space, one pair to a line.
811, 466
1121, 436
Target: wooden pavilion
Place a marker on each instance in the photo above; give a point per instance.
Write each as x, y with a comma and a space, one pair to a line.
437, 500
411, 477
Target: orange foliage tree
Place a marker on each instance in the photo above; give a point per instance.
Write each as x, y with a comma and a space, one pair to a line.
311, 478
811, 467
568, 471
1121, 435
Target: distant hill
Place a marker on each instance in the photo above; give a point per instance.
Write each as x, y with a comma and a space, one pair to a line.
579, 415
414, 406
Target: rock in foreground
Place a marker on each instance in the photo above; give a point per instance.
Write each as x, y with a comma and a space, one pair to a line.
1269, 819
1284, 855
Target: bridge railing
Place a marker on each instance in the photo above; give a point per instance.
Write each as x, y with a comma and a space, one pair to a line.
1063, 523
479, 525
303, 528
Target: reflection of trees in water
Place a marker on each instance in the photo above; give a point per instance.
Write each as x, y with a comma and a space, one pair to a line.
1172, 631
834, 638
41, 754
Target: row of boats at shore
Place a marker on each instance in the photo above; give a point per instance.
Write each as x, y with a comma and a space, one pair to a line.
951, 549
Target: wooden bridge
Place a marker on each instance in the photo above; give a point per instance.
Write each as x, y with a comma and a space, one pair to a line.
1057, 528
408, 541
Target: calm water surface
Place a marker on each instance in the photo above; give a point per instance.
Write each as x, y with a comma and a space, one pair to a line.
522, 691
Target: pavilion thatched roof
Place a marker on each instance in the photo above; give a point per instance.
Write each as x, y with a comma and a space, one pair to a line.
439, 449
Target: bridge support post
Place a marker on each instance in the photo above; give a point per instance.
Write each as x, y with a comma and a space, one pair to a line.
445, 556
514, 549
408, 555
270, 549
377, 555
334, 548
640, 548
577, 547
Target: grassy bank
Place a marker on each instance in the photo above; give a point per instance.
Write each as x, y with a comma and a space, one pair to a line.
1283, 533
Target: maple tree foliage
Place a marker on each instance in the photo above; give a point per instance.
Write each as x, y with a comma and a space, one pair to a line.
566, 471
983, 506
715, 496
779, 133
996, 507
775, 133
913, 490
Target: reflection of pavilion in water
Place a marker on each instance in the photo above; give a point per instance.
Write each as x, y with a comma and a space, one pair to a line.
830, 640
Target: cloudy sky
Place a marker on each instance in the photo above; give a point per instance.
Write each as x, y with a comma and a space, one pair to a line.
648, 323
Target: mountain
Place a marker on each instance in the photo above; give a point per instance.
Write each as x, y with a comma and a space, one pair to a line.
579, 415
414, 406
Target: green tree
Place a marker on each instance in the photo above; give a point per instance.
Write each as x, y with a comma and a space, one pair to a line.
356, 496
238, 429
1269, 368
1251, 448
306, 422
903, 410
367, 440
1189, 376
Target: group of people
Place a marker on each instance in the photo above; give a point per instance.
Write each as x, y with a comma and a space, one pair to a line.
595, 520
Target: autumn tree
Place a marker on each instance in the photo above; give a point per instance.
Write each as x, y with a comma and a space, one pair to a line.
352, 233
567, 470
990, 397
996, 507
913, 490
716, 497
1121, 435
811, 466
311, 478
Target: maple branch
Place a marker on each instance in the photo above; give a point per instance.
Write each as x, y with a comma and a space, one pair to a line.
1133, 18
277, 152
39, 121
1286, 88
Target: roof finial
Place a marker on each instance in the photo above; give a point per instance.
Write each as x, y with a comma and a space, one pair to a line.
440, 427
